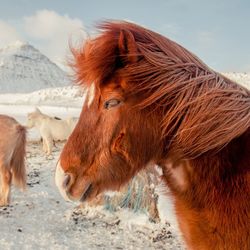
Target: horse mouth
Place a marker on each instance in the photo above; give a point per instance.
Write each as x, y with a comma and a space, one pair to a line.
86, 192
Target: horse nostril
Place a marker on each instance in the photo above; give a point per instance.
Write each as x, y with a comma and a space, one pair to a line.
66, 181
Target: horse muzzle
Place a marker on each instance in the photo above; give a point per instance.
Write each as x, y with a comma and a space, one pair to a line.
64, 182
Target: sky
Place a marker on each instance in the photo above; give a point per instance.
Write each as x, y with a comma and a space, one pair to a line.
217, 31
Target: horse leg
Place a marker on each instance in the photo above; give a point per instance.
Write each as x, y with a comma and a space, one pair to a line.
44, 145
49, 144
6, 177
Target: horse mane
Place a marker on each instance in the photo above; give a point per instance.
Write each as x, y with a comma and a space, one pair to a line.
202, 110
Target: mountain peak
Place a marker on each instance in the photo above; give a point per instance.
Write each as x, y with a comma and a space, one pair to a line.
18, 44
23, 68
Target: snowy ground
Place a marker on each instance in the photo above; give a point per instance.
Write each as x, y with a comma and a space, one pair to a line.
40, 219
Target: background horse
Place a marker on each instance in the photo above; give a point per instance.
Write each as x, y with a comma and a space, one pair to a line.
50, 128
12, 156
152, 101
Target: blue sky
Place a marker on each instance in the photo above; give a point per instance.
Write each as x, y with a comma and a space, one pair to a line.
216, 31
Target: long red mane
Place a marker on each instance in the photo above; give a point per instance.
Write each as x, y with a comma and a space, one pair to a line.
199, 104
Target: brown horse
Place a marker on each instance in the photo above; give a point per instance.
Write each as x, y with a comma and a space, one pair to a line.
152, 101
12, 156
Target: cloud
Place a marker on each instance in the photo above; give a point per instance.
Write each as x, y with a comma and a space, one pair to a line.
47, 30
46, 24
53, 32
8, 34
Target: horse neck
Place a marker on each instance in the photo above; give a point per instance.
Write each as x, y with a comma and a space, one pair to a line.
211, 171
211, 195
40, 118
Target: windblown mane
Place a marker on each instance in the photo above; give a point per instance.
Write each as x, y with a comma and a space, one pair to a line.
202, 110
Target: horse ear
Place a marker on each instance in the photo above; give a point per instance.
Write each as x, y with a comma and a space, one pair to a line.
37, 110
127, 46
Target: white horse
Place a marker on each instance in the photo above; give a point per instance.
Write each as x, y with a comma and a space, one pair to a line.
50, 128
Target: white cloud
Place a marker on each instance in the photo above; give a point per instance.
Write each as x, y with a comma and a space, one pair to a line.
46, 30
46, 24
8, 34
53, 32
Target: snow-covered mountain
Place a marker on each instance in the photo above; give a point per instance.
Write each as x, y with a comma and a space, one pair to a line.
241, 78
24, 69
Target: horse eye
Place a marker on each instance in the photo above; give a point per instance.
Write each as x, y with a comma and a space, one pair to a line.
111, 103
